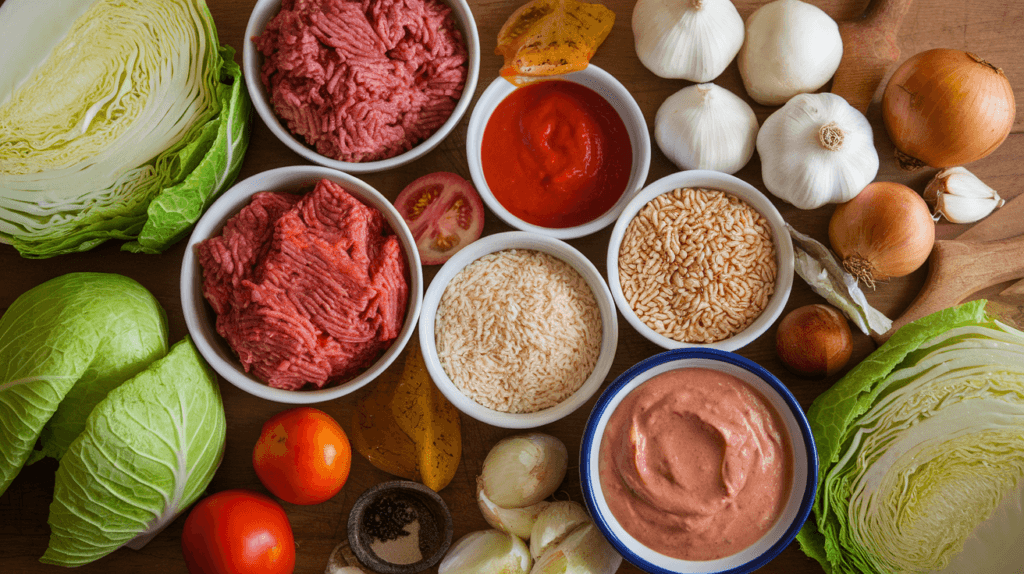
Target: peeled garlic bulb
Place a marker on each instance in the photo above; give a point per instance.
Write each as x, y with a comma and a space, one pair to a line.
518, 521
705, 126
556, 522
522, 470
959, 196
487, 552
791, 47
584, 550
816, 149
687, 39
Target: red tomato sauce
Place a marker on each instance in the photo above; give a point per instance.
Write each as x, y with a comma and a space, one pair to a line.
556, 154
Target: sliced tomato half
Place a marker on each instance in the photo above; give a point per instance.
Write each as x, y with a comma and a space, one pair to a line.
444, 213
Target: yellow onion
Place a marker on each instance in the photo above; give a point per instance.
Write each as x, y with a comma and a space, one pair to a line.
946, 107
885, 231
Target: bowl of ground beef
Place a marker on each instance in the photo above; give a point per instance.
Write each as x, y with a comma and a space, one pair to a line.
361, 86
301, 284
518, 329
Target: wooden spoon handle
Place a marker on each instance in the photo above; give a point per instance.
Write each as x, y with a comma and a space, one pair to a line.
870, 47
959, 268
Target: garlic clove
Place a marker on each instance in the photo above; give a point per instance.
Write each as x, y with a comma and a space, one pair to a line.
487, 552
692, 40
555, 523
522, 470
584, 551
960, 196
518, 521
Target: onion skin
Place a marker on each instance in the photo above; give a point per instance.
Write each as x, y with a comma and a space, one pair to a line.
814, 341
945, 108
885, 231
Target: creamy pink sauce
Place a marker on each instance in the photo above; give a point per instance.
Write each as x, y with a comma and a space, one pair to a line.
695, 464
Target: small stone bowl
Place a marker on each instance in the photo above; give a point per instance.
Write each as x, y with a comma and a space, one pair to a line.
432, 513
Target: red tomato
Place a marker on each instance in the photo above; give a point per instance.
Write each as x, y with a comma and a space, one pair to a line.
302, 456
444, 213
238, 532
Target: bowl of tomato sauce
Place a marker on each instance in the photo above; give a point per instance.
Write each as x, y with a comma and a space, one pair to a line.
559, 156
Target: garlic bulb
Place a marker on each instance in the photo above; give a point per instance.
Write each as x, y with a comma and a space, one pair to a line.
791, 47
687, 39
705, 126
487, 552
816, 149
522, 470
960, 196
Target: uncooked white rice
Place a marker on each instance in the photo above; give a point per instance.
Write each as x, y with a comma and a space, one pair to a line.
518, 330
697, 265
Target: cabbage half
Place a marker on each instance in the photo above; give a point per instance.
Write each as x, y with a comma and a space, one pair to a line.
119, 119
919, 445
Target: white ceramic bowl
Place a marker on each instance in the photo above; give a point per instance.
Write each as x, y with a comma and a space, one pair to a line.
805, 463
500, 242
611, 90
200, 318
252, 64
742, 190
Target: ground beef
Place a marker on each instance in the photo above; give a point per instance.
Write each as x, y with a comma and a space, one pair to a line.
363, 80
308, 290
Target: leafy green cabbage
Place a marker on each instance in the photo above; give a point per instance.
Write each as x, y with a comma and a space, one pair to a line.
139, 431
124, 119
918, 446
63, 345
148, 451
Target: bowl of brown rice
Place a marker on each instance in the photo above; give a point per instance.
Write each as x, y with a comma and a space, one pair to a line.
518, 329
700, 259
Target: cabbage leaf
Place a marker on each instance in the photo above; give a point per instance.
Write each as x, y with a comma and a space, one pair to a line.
125, 124
63, 345
919, 445
149, 449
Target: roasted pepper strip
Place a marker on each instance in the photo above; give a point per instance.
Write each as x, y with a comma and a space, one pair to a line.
551, 37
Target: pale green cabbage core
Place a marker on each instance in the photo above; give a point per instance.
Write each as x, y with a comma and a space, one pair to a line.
126, 106
919, 447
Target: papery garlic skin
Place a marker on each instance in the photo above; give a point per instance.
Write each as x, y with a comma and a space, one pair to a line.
816, 149
960, 196
555, 523
487, 552
584, 551
791, 47
705, 126
518, 521
692, 40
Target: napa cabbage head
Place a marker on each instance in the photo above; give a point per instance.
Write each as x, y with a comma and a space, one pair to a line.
119, 119
921, 447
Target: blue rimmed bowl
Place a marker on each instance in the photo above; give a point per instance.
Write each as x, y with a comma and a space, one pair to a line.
805, 463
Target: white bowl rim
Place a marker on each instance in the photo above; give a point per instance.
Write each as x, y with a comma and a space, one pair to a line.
729, 184
631, 115
229, 204
519, 240
805, 460
264, 10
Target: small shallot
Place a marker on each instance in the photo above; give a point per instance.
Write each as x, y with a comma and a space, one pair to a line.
814, 341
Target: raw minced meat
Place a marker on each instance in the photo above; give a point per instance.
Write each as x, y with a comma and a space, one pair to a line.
363, 80
308, 290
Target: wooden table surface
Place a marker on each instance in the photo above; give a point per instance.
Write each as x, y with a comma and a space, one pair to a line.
992, 28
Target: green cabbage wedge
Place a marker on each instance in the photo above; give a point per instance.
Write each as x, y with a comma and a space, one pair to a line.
119, 119
920, 445
74, 337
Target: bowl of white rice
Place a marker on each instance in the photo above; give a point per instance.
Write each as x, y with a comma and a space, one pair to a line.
518, 330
